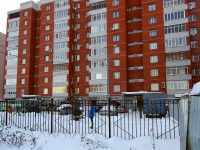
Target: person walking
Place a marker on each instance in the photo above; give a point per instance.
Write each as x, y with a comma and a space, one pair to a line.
91, 113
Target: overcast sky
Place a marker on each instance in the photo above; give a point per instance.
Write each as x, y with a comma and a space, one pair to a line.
5, 6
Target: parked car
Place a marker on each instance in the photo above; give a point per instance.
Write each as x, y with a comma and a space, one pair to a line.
62, 106
66, 111
104, 111
122, 109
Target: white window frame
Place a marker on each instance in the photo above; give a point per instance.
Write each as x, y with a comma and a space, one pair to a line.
45, 80
154, 86
46, 69
152, 20
25, 22
116, 50
24, 41
47, 27
24, 61
47, 7
195, 58
45, 91
152, 32
153, 45
154, 72
116, 62
116, 75
116, 38
153, 59
47, 17
116, 88
24, 32
115, 14
26, 13
152, 7
116, 26
194, 44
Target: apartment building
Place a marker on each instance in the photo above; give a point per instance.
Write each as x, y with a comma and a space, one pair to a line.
94, 48
2, 55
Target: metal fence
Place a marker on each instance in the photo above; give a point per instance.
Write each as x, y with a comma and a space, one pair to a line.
190, 123
126, 119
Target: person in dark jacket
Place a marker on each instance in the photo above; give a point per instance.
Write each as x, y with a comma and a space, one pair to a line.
91, 115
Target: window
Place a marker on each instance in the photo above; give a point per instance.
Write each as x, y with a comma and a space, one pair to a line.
24, 51
24, 41
25, 13
173, 85
25, 22
10, 81
77, 57
47, 27
24, 32
152, 20
46, 48
98, 51
195, 72
59, 56
116, 75
175, 28
96, 17
115, 2
169, 3
61, 3
153, 45
77, 5
12, 62
116, 62
152, 7
77, 26
45, 91
99, 5
87, 79
23, 71
60, 67
195, 58
23, 61
13, 34
99, 39
87, 67
98, 75
98, 28
46, 69
46, 58
177, 70
154, 72
176, 56
10, 91
87, 3
87, 45
13, 52
13, 24
60, 78
116, 26
194, 44
45, 79
22, 81
115, 14
192, 18
152, 32
60, 24
47, 7
77, 68
116, 88
176, 42
61, 89
13, 43
86, 90
154, 87
61, 13
174, 15
115, 38
193, 31
153, 59
192, 4
46, 37
47, 17
77, 36
87, 34
78, 15
11, 71
60, 45
116, 50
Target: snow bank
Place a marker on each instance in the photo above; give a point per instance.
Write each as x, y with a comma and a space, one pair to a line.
196, 89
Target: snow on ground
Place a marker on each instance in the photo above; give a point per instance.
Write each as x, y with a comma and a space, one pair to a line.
92, 141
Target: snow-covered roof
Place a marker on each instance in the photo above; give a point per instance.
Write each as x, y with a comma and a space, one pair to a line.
138, 93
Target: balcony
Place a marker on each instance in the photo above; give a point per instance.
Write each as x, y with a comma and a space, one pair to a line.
179, 77
178, 63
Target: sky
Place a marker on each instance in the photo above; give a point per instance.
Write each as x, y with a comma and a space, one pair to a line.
8, 5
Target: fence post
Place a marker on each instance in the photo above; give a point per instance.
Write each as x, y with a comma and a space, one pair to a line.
187, 132
51, 115
109, 122
6, 112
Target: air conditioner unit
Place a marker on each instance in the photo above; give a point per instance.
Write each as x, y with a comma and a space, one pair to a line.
36, 75
86, 16
114, 45
50, 60
163, 85
112, 29
192, 35
75, 40
80, 45
50, 50
86, 27
36, 56
189, 7
74, 8
36, 65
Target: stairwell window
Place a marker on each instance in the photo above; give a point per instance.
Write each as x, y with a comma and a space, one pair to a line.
116, 88
193, 17
194, 44
154, 87
116, 50
153, 59
45, 79
46, 69
116, 75
22, 81
152, 20
116, 63
25, 22
47, 17
115, 38
45, 91
23, 61
193, 31
24, 41
153, 46
154, 72
115, 2
47, 27
152, 32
